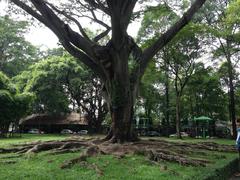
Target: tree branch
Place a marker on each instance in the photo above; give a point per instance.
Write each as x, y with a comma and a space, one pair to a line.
62, 30
101, 35
84, 58
121, 12
30, 11
70, 18
169, 35
71, 40
98, 5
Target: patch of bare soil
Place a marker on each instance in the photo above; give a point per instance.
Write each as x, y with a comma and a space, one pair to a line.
155, 150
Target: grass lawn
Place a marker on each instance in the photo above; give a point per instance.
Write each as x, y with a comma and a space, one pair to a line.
44, 166
29, 138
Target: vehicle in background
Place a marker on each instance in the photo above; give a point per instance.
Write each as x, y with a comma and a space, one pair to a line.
223, 132
152, 133
82, 132
66, 131
183, 134
35, 131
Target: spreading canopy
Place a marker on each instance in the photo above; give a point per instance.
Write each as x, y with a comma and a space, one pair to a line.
120, 63
91, 53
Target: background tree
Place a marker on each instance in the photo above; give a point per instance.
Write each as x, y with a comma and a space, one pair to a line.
62, 85
220, 20
15, 52
154, 24
13, 106
150, 94
177, 58
204, 95
182, 53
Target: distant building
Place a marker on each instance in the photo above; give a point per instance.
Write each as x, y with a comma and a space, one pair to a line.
54, 123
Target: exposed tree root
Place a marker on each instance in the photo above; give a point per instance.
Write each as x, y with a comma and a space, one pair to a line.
160, 156
9, 162
11, 157
64, 151
112, 138
188, 154
89, 152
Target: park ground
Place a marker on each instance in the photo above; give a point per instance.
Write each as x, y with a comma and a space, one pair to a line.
43, 165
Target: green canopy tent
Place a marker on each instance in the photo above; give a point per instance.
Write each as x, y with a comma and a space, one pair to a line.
203, 125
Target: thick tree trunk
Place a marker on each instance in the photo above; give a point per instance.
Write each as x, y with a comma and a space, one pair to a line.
121, 95
121, 123
122, 117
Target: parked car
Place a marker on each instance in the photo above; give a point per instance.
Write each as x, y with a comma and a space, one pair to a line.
82, 132
183, 134
67, 131
152, 133
223, 132
35, 131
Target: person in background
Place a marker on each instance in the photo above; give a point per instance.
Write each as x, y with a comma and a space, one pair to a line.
238, 140
238, 137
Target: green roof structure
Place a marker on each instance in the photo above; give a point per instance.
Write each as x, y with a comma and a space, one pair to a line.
203, 118
203, 124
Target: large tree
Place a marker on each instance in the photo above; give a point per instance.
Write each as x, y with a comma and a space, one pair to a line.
110, 61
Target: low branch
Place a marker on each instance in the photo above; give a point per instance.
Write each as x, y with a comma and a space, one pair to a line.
29, 10
74, 43
84, 59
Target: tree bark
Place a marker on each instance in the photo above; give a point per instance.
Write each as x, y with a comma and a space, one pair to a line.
121, 109
121, 98
167, 95
178, 125
232, 112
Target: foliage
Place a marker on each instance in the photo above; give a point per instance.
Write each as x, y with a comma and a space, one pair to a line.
176, 60
14, 105
45, 80
225, 40
16, 53
62, 85
151, 94
204, 95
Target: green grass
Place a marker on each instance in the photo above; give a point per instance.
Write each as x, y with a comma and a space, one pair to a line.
43, 166
30, 138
